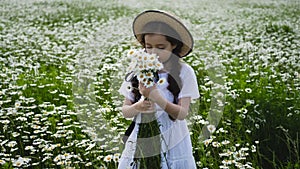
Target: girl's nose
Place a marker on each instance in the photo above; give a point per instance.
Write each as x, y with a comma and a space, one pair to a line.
153, 51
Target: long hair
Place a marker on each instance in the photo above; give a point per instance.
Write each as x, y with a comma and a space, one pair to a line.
172, 36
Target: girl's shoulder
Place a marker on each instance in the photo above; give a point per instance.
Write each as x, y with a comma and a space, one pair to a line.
186, 68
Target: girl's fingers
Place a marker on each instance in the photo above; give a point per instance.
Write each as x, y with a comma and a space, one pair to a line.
148, 103
147, 107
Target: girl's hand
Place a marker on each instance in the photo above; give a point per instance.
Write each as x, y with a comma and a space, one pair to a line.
147, 92
144, 106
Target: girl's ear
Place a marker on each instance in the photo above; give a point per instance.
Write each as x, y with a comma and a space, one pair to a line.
173, 47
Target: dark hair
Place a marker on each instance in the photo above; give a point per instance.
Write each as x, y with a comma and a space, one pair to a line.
173, 37
162, 28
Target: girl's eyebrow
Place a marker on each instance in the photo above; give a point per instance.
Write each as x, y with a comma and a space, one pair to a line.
161, 44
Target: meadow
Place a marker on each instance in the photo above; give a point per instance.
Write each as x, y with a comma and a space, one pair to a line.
62, 62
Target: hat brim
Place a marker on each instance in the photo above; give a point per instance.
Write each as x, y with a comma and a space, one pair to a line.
155, 15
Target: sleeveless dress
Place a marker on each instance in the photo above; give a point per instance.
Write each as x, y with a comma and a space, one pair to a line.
176, 147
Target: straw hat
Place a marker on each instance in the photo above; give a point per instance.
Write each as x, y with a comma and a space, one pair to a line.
156, 15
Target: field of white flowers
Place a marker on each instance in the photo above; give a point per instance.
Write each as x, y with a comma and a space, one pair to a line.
62, 62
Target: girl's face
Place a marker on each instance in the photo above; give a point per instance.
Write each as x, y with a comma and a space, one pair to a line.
158, 44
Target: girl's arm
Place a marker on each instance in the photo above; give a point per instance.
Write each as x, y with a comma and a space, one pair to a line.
130, 109
177, 111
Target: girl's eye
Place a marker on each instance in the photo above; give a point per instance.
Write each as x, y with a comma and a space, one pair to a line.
160, 48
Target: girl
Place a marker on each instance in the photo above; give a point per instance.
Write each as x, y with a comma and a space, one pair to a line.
161, 33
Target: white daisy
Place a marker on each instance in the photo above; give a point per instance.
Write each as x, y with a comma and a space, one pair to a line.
116, 157
207, 141
150, 65
161, 81
211, 128
108, 158
149, 75
131, 53
248, 90
18, 162
2, 161
158, 65
149, 83
141, 76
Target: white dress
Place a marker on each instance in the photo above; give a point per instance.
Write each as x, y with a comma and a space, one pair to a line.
176, 144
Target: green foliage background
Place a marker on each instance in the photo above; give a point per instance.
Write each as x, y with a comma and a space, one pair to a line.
62, 63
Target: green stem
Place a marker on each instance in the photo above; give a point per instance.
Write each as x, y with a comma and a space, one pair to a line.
149, 129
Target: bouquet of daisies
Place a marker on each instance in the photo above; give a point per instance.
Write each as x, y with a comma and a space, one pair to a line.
144, 66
